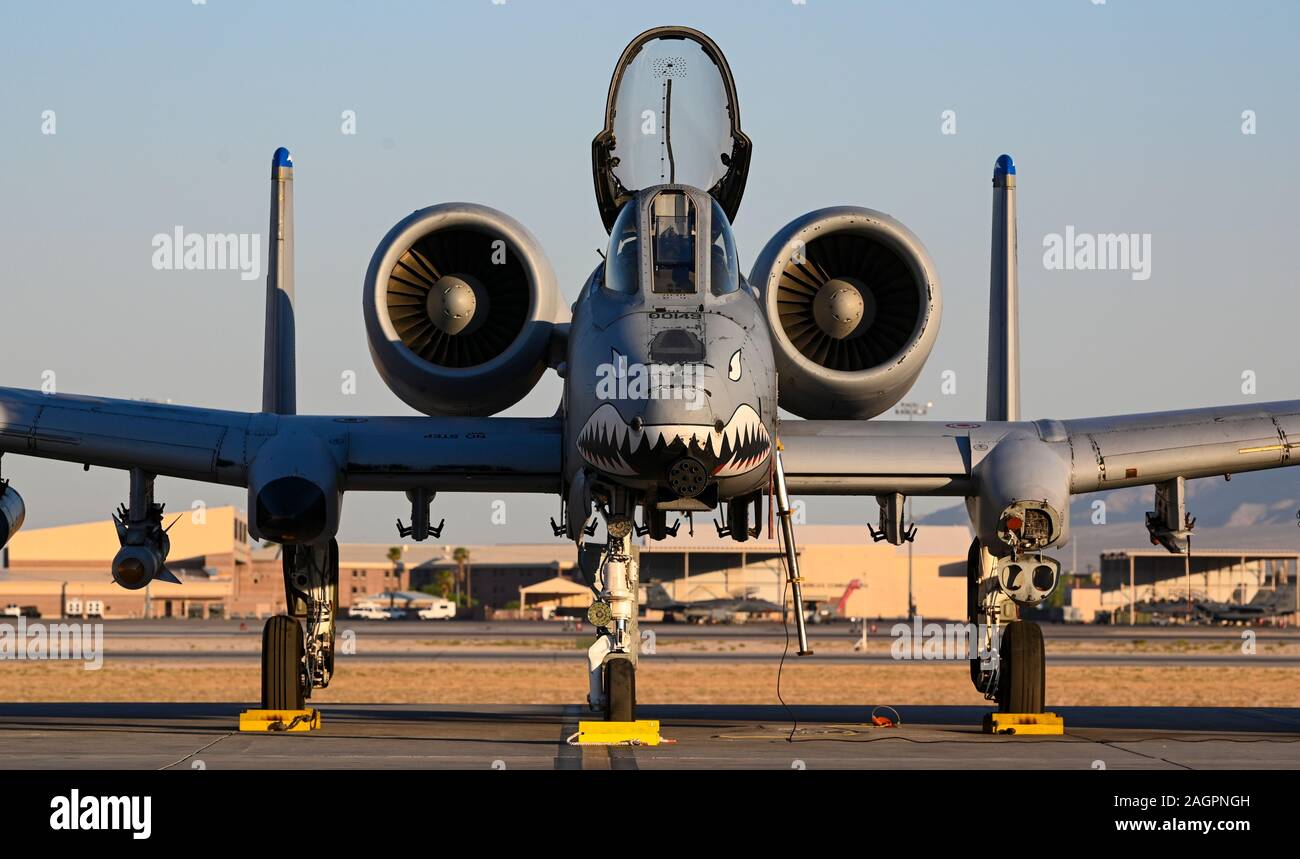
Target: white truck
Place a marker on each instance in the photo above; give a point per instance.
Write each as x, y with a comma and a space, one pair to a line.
439, 610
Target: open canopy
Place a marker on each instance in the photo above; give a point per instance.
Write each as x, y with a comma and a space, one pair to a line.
671, 118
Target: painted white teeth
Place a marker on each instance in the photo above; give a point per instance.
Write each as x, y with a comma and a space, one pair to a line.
606, 436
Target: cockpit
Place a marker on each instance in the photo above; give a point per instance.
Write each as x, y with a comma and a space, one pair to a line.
671, 121
688, 246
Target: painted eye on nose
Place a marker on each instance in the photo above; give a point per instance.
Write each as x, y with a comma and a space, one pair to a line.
733, 368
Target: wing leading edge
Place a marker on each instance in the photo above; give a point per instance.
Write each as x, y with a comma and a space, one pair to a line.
934, 458
372, 453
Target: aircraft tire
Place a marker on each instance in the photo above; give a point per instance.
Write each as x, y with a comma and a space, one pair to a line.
977, 674
282, 656
620, 691
738, 516
1022, 680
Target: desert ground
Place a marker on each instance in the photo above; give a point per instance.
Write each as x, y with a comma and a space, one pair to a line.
562, 682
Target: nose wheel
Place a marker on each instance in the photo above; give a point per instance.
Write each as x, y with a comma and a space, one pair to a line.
1022, 669
1016, 677
620, 690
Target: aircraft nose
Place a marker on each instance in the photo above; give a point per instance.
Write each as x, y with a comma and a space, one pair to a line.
691, 408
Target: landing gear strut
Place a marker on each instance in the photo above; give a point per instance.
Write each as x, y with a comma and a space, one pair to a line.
612, 658
1010, 667
298, 648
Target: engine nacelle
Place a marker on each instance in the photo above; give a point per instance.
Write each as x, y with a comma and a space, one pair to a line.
853, 303
460, 304
293, 490
12, 513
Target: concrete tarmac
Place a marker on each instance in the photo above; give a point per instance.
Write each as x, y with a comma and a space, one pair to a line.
840, 657
204, 736
487, 630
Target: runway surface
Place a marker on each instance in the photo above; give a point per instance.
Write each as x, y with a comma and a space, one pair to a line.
202, 736
469, 629
837, 657
236, 641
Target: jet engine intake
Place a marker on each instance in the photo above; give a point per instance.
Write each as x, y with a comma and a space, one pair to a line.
853, 303
460, 303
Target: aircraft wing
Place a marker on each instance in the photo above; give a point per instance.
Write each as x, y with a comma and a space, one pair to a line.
371, 453
941, 458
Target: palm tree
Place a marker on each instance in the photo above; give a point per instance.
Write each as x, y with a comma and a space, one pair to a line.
444, 582
395, 556
461, 556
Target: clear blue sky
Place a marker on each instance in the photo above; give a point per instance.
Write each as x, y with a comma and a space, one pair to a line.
1122, 117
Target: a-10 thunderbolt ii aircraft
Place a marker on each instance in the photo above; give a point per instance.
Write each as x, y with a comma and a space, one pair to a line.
674, 367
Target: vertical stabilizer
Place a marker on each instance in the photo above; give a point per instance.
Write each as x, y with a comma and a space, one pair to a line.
279, 373
1004, 299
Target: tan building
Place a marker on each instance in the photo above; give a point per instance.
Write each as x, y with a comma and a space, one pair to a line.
66, 570
551, 594
830, 558
215, 538
493, 575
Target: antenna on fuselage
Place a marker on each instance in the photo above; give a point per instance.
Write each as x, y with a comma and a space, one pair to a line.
279, 371
1004, 299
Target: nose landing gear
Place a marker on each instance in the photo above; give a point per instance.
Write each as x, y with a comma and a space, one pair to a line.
1016, 679
612, 658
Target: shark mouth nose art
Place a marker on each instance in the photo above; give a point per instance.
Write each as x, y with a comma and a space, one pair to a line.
612, 445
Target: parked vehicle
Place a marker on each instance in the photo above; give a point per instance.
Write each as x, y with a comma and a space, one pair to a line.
368, 612
440, 610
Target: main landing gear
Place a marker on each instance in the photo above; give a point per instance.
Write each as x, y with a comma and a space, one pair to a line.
298, 647
1010, 667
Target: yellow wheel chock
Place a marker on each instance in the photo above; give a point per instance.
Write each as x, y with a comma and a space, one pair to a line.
1020, 724
279, 720
643, 732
